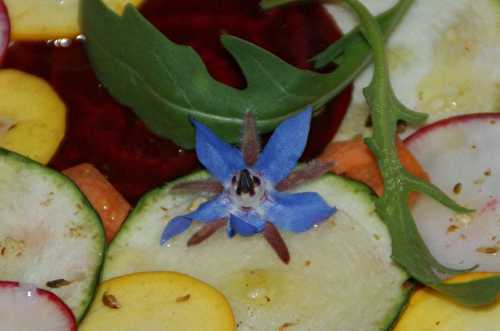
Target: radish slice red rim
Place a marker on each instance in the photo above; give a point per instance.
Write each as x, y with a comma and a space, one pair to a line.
461, 156
4, 30
25, 307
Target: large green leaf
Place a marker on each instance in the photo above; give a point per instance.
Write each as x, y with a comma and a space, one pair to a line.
166, 83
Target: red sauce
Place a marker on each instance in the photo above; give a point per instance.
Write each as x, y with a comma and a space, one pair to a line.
110, 136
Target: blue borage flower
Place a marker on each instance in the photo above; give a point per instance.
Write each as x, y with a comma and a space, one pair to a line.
249, 186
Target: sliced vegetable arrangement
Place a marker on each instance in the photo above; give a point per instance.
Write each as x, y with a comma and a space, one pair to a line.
423, 54
458, 154
408, 247
347, 256
49, 234
324, 285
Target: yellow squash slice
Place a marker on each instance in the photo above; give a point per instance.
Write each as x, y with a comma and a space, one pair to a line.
32, 116
50, 19
160, 301
429, 311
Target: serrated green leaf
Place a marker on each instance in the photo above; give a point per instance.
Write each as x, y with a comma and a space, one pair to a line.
408, 248
166, 83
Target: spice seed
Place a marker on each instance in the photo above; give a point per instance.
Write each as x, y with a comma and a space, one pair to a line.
452, 228
109, 300
457, 188
56, 283
487, 250
285, 326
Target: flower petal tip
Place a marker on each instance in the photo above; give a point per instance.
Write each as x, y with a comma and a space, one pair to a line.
299, 212
285, 147
175, 227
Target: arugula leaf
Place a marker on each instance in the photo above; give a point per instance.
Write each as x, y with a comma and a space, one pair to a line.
166, 84
409, 250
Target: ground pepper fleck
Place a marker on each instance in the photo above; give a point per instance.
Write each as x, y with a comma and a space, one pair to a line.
183, 298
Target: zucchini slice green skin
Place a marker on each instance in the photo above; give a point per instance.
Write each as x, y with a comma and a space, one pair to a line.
48, 232
340, 277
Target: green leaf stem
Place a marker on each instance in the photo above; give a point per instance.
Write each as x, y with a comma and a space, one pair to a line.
408, 248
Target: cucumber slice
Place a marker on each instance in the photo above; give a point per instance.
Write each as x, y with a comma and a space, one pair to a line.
340, 277
49, 234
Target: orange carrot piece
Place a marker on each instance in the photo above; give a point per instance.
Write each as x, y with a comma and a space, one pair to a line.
106, 200
355, 160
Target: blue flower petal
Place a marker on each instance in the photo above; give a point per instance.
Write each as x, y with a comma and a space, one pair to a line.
298, 212
174, 227
285, 147
220, 158
211, 210
239, 226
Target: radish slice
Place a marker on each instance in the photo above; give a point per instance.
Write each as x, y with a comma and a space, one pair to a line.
4, 30
24, 308
462, 158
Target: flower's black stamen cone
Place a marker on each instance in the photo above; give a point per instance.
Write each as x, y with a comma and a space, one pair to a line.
250, 145
206, 231
197, 186
275, 240
310, 171
245, 183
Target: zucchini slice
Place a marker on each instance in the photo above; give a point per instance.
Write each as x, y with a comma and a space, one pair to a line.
340, 277
49, 235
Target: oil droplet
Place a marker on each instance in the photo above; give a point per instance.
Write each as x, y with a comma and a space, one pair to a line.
464, 219
460, 80
259, 287
61, 42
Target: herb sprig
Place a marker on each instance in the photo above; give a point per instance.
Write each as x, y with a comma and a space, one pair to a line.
408, 248
166, 83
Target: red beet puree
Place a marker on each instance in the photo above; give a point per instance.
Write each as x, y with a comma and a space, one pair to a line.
111, 137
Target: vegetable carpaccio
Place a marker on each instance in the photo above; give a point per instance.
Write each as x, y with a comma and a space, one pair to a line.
108, 135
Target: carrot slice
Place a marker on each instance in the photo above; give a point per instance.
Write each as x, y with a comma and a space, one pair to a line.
106, 200
353, 158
